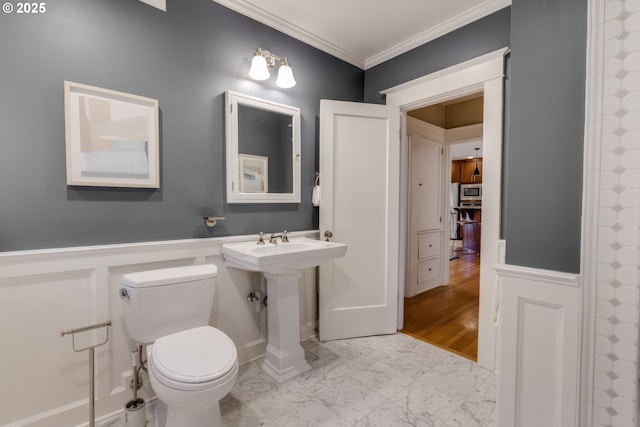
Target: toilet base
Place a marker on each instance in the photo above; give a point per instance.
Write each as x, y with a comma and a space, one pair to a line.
188, 417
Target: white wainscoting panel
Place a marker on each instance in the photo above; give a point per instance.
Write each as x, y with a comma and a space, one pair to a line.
43, 382
539, 348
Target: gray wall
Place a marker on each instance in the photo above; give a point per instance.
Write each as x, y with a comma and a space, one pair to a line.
483, 36
186, 58
544, 119
543, 174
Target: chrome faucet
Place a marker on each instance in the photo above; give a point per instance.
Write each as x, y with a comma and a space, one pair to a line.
284, 237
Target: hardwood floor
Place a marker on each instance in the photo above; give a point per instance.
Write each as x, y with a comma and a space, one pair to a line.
447, 316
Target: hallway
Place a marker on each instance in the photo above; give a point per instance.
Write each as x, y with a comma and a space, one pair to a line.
447, 316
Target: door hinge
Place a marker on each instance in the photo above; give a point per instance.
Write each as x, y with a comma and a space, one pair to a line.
440, 219
442, 151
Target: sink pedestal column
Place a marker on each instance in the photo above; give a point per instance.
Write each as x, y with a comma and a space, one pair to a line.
285, 356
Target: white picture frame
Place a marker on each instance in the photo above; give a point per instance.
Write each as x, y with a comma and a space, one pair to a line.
111, 138
254, 173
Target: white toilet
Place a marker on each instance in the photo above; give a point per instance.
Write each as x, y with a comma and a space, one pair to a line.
191, 365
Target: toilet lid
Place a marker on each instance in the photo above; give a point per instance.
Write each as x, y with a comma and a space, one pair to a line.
196, 355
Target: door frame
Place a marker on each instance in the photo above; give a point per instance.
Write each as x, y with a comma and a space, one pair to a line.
481, 74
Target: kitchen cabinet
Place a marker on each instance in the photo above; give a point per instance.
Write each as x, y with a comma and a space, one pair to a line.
462, 171
455, 172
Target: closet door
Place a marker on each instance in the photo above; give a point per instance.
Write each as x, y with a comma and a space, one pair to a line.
425, 206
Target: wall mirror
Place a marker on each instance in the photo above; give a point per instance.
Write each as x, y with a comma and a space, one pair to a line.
263, 150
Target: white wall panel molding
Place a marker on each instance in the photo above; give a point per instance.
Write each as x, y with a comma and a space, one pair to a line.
45, 383
538, 275
539, 348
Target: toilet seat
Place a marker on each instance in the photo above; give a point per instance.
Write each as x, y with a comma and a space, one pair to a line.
194, 359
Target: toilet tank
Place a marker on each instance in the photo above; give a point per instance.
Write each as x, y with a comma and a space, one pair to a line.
160, 302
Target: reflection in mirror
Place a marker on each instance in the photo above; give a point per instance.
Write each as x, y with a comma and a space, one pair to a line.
263, 146
267, 135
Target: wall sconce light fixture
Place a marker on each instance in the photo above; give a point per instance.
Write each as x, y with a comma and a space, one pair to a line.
263, 61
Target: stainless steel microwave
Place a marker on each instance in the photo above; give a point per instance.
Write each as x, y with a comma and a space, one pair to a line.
471, 192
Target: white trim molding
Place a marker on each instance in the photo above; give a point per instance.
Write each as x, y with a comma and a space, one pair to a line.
252, 11
610, 238
590, 203
159, 4
459, 80
471, 15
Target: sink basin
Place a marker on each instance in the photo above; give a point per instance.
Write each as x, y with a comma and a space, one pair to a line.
281, 258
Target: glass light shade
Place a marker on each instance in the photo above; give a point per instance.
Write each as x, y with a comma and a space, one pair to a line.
259, 69
285, 77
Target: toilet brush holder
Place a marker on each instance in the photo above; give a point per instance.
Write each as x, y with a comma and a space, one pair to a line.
135, 413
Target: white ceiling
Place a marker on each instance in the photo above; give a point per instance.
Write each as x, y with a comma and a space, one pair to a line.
365, 33
466, 150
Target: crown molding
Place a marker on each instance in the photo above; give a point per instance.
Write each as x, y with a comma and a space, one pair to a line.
261, 15
459, 21
160, 4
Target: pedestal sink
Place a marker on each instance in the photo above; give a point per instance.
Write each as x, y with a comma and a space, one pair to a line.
282, 265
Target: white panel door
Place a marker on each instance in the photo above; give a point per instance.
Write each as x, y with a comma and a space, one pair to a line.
425, 208
359, 171
425, 184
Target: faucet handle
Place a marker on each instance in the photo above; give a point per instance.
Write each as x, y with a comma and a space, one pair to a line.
285, 236
261, 239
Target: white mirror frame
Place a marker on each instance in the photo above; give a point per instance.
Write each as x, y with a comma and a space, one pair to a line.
234, 195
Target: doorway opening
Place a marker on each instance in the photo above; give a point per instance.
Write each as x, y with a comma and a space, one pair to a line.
481, 74
442, 295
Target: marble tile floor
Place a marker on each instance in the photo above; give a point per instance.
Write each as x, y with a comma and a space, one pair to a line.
391, 380
386, 381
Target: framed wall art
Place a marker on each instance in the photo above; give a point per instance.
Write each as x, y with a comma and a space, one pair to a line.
254, 173
112, 138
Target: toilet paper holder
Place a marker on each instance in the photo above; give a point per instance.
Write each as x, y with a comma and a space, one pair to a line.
91, 348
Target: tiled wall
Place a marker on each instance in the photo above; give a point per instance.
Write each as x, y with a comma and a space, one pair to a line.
618, 263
